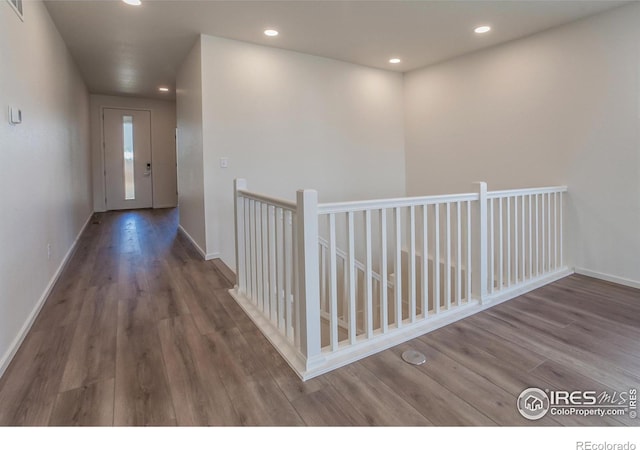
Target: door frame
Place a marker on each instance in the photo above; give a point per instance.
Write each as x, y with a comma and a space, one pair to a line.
102, 148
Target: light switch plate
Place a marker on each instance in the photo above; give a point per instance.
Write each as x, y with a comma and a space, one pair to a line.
224, 163
15, 115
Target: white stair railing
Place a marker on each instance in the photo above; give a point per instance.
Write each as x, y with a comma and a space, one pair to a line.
331, 283
525, 232
423, 244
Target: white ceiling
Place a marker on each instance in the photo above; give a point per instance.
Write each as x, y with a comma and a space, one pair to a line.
127, 50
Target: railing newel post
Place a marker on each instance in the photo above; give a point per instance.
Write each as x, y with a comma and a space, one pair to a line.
480, 281
308, 275
239, 184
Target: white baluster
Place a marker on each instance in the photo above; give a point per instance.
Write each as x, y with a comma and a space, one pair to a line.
288, 271
425, 262
436, 260
492, 249
447, 264
544, 233
468, 269
500, 256
458, 256
522, 240
561, 235
258, 248
368, 275
555, 230
280, 267
333, 280
549, 232
537, 240
412, 263
516, 259
273, 290
398, 267
265, 259
351, 261
384, 301
508, 200
530, 237
248, 260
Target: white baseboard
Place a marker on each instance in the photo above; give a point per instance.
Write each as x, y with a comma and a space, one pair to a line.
205, 256
15, 345
607, 277
505, 294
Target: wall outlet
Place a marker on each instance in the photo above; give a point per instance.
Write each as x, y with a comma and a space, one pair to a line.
48, 251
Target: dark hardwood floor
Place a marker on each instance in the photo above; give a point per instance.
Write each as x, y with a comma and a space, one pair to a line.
140, 331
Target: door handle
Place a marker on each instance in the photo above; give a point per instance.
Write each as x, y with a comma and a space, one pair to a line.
147, 171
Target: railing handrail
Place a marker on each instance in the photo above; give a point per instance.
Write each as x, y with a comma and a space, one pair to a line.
526, 191
280, 203
363, 205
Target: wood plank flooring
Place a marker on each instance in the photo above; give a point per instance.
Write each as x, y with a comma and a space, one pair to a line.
140, 331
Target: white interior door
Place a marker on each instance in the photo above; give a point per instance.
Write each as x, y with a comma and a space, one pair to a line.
127, 158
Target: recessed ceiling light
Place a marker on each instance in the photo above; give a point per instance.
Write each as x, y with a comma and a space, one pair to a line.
133, 2
394, 60
482, 29
271, 33
163, 89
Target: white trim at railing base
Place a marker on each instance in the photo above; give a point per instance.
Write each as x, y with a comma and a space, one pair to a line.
607, 277
352, 353
505, 294
380, 342
291, 355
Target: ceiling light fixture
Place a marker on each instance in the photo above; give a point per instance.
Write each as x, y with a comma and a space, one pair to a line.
271, 33
133, 2
163, 89
482, 29
394, 60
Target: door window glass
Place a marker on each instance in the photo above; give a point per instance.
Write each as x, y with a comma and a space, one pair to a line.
129, 178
